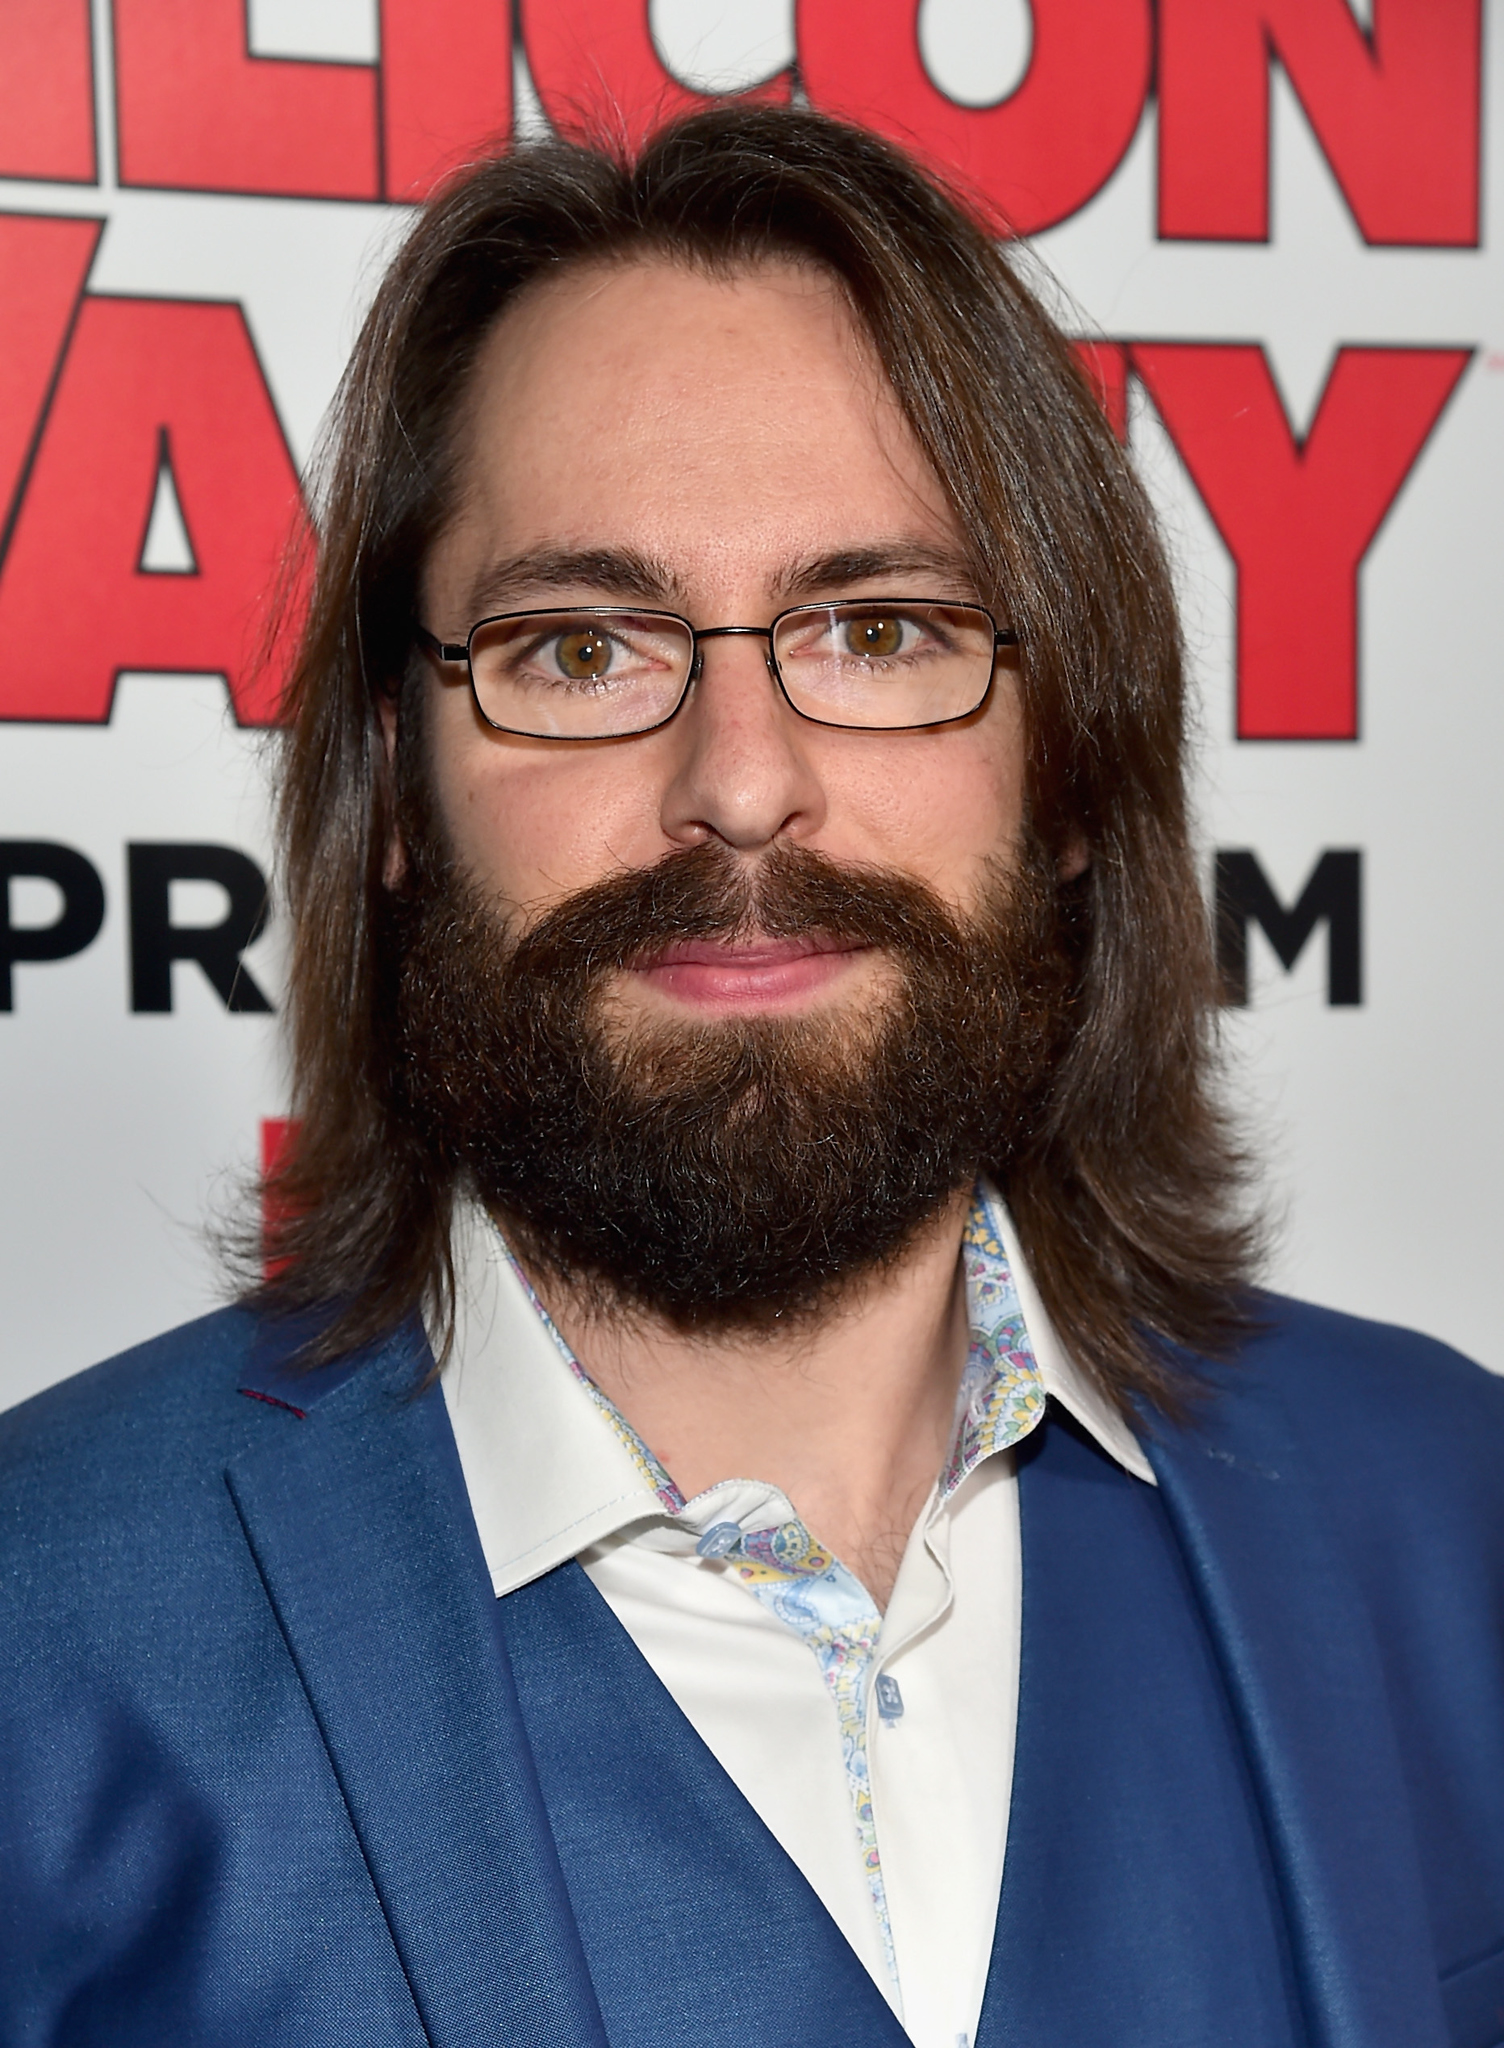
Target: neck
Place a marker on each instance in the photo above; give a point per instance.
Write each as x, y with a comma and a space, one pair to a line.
848, 1414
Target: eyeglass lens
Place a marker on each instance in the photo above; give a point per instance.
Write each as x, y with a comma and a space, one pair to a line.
595, 674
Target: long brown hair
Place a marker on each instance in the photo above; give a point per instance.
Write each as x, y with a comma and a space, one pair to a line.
1127, 1196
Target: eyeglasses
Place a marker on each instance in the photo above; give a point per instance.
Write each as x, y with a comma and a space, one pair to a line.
595, 672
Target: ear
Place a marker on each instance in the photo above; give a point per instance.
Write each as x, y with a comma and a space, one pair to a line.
394, 859
1074, 858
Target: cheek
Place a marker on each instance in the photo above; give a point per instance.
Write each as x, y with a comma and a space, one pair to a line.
947, 805
531, 823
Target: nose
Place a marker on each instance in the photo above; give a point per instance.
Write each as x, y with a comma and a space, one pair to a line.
741, 767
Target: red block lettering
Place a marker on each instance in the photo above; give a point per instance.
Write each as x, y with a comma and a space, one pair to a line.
1035, 157
1106, 367
1298, 518
144, 376
446, 88
43, 265
598, 71
1396, 114
198, 113
46, 91
278, 1134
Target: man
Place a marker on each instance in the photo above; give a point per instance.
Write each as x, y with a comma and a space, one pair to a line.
759, 1506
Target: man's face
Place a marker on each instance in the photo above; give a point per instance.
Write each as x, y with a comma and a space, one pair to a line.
722, 448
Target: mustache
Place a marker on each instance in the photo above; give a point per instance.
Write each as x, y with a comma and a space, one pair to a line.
711, 892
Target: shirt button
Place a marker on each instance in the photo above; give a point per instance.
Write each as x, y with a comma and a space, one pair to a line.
889, 1698
719, 1539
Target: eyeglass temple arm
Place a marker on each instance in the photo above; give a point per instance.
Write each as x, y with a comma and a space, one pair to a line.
445, 650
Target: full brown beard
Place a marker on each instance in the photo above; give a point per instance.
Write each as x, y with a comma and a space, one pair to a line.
724, 1173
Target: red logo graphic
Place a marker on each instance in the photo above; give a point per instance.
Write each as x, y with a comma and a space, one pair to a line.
106, 403
93, 393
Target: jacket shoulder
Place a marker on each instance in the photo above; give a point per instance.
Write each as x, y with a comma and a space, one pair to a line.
1383, 1416
141, 1435
169, 1380
1322, 1357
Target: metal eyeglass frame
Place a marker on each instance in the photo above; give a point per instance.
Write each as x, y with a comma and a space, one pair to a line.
459, 651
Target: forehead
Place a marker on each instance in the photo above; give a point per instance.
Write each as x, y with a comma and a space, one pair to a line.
718, 423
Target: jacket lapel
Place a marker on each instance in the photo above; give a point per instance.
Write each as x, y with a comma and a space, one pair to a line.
356, 1512
1139, 1906
1303, 1670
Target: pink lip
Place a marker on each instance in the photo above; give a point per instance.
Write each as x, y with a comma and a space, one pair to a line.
750, 974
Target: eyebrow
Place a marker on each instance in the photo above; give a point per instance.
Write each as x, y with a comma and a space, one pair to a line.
836, 571
549, 572
541, 573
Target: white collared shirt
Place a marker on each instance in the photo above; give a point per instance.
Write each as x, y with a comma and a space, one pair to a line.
882, 1763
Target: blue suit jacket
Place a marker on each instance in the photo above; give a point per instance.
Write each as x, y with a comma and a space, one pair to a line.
275, 1767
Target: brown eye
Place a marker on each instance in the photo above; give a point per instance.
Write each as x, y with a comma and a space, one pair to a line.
583, 654
874, 636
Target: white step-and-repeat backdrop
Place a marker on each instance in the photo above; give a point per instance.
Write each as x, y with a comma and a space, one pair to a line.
1277, 220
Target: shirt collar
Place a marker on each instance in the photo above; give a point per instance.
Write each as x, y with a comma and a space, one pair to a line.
551, 1466
1063, 1379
